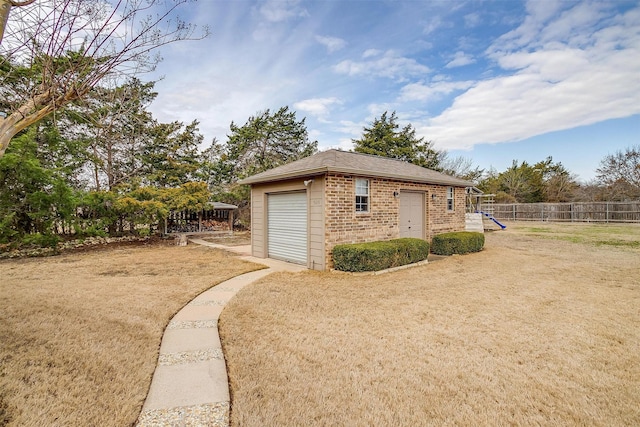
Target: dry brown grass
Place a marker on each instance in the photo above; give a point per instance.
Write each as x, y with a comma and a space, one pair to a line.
238, 238
80, 333
530, 331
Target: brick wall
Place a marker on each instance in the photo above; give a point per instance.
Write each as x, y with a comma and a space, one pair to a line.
441, 220
344, 225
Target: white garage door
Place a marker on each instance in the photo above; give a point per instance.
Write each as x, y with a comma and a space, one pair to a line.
287, 226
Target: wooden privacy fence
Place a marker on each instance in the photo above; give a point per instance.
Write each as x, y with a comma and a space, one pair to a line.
571, 212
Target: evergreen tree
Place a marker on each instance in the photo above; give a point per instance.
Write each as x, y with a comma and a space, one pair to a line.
171, 156
544, 181
265, 141
385, 138
116, 127
35, 194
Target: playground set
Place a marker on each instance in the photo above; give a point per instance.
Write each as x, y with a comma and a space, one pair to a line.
481, 205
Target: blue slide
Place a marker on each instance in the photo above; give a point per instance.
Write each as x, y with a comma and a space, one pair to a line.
501, 225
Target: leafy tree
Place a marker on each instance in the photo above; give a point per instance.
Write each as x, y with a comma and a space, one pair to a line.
170, 157
54, 52
212, 170
620, 174
265, 141
116, 126
35, 196
544, 181
125, 143
521, 182
189, 196
559, 185
149, 205
385, 138
268, 139
141, 207
96, 213
490, 183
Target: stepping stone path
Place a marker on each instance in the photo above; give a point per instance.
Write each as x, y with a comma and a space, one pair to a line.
190, 385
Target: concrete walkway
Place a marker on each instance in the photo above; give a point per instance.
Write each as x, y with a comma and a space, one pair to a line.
190, 385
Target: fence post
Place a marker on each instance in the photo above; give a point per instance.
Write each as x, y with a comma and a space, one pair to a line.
571, 211
607, 214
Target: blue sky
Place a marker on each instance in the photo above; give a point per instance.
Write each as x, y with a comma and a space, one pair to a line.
493, 81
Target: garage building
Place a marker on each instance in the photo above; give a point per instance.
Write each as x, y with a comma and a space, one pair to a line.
301, 210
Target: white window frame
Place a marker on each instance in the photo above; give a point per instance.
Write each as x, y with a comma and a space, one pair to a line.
362, 199
450, 199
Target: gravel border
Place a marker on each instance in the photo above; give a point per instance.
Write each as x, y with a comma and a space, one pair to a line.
210, 414
171, 359
193, 324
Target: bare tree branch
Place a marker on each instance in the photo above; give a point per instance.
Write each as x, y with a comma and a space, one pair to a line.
55, 51
620, 173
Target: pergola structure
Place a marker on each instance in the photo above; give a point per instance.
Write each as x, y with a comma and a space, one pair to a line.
216, 217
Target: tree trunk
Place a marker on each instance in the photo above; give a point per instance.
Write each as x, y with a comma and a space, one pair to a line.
96, 172
31, 112
5, 7
109, 169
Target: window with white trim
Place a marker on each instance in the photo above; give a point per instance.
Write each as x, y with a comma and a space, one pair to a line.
450, 204
362, 195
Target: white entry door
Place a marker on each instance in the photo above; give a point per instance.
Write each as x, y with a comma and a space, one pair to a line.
412, 215
287, 227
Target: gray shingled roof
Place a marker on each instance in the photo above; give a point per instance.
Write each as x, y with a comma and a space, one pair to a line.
222, 206
355, 164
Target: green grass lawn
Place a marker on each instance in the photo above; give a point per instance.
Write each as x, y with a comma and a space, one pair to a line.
617, 235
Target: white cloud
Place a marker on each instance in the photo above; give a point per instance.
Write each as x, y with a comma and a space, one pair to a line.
351, 128
539, 12
315, 134
318, 107
281, 10
376, 109
371, 52
228, 89
431, 26
460, 59
342, 140
553, 65
564, 66
388, 64
576, 77
333, 44
472, 20
434, 90
344, 144
273, 18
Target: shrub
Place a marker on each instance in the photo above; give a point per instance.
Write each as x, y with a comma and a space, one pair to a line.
374, 256
95, 230
8, 233
460, 242
40, 240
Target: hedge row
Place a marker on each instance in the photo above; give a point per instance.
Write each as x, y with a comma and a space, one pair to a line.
374, 256
461, 242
